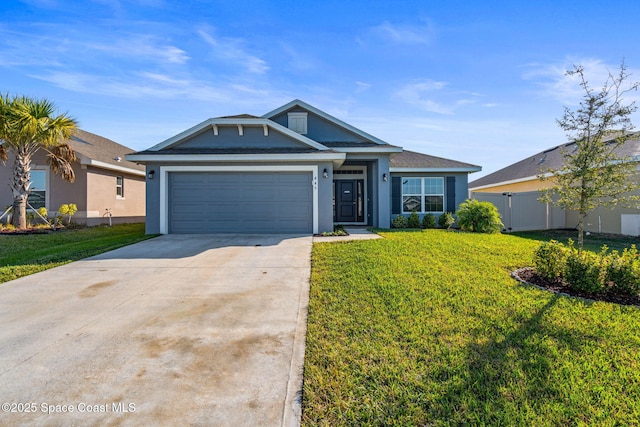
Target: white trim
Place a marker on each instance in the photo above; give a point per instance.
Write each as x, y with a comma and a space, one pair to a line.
191, 158
512, 181
328, 117
215, 123
109, 166
379, 149
438, 170
164, 184
358, 177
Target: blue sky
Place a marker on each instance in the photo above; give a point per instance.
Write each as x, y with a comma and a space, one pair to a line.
480, 82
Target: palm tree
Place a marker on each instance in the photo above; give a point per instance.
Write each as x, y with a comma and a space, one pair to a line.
28, 125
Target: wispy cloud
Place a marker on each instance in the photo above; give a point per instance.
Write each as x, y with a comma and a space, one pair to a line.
434, 96
232, 49
404, 33
555, 83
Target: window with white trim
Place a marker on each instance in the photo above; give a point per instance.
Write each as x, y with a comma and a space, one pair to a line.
422, 195
119, 187
38, 191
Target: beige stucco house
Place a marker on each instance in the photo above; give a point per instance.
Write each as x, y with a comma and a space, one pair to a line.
516, 188
106, 183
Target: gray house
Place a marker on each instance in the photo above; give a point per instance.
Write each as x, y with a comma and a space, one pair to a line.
296, 169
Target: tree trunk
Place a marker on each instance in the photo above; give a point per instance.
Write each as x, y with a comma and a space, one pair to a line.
20, 184
581, 216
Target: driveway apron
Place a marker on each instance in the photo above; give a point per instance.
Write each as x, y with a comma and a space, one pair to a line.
177, 330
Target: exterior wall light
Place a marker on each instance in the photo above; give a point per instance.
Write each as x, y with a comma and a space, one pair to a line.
385, 178
150, 174
325, 173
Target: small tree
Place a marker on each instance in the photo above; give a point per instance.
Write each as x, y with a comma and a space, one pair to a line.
594, 173
479, 217
27, 126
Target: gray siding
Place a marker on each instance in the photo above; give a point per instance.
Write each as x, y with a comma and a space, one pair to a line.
253, 137
320, 129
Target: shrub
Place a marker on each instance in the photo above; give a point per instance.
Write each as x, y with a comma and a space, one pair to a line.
67, 210
586, 271
623, 272
446, 220
480, 217
429, 221
399, 222
414, 220
550, 259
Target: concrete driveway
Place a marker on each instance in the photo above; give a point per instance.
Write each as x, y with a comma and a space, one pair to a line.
176, 330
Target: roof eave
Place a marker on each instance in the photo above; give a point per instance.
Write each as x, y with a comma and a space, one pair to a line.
435, 169
263, 158
103, 165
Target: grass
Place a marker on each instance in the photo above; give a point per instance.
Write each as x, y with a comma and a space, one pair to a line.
21, 255
427, 328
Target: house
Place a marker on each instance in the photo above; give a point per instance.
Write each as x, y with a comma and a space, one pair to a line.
105, 182
295, 169
520, 181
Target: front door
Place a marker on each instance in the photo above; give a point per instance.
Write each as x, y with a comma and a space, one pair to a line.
349, 200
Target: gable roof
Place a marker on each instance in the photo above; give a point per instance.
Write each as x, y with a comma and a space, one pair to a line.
411, 161
328, 117
530, 168
95, 150
243, 120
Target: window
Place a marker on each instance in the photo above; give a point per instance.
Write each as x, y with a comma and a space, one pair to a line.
298, 122
422, 195
119, 186
38, 194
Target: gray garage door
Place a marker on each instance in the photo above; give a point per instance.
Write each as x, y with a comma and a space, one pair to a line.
222, 202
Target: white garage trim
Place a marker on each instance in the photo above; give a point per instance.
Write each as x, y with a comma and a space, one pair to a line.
164, 184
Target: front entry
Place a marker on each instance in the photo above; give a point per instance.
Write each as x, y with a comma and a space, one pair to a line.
349, 200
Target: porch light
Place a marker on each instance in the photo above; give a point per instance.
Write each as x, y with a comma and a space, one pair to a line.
150, 175
385, 178
325, 173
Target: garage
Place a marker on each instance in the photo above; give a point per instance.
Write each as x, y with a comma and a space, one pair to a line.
240, 202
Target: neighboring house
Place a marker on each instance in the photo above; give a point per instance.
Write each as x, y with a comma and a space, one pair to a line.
294, 170
105, 182
520, 183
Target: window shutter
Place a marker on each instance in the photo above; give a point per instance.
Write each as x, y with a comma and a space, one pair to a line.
396, 195
451, 194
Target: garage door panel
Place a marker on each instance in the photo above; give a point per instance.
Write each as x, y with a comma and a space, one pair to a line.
261, 202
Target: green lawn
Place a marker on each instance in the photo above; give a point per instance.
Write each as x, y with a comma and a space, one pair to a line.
21, 255
428, 329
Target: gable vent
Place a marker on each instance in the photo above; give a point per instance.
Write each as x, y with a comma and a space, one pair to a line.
298, 122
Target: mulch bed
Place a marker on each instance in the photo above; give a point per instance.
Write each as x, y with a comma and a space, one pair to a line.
529, 276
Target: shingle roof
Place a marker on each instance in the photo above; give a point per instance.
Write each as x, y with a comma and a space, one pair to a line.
98, 148
240, 116
412, 159
551, 158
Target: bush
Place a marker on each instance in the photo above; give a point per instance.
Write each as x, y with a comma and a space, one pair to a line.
480, 217
67, 210
399, 222
429, 221
586, 271
623, 272
550, 259
414, 220
446, 220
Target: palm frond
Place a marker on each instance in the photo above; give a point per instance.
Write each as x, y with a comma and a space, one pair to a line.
60, 159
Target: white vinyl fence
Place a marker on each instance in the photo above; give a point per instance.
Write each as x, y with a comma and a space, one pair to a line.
523, 211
